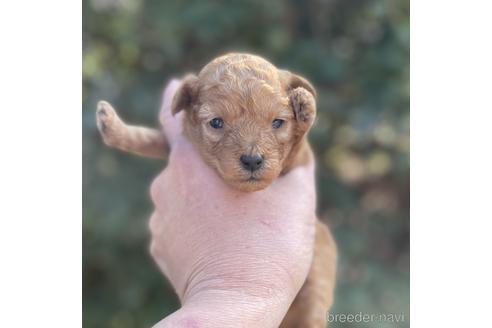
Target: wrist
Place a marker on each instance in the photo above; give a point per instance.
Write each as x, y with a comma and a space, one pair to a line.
226, 309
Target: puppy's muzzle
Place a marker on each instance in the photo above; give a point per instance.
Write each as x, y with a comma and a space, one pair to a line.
251, 162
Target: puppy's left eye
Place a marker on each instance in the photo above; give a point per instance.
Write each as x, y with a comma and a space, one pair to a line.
217, 123
277, 123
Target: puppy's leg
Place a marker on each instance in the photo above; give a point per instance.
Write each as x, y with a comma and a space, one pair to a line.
134, 139
316, 295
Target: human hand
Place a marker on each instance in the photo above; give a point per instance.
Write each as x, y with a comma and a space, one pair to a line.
235, 259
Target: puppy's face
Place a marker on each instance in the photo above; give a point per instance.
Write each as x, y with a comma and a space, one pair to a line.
246, 118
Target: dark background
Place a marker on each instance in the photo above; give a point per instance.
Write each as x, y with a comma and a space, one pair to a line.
355, 52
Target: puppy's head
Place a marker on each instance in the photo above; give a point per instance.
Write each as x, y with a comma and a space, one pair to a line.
246, 117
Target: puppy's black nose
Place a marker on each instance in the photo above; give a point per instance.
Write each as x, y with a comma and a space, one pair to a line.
251, 162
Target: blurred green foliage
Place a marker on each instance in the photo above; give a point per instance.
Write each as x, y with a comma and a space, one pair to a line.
357, 55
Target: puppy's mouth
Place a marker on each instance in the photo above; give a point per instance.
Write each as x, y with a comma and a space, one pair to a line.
255, 182
250, 182
253, 177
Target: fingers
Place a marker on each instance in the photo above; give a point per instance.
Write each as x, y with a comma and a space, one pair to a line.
172, 124
158, 190
301, 177
155, 229
298, 187
167, 96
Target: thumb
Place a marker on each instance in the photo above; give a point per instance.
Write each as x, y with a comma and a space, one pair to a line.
172, 124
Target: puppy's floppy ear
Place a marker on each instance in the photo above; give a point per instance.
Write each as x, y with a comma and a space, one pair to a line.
292, 81
186, 95
301, 95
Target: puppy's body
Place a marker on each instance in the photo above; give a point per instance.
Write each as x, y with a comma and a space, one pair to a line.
249, 121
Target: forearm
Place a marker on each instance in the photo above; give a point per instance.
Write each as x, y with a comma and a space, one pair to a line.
221, 309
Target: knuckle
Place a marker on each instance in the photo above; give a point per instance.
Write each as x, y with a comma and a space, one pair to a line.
155, 187
153, 224
153, 249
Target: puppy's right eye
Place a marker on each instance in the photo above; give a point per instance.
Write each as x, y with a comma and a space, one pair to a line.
277, 123
217, 123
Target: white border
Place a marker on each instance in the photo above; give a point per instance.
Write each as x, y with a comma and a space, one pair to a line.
451, 163
40, 165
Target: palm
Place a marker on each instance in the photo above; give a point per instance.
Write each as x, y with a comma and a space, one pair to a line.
253, 250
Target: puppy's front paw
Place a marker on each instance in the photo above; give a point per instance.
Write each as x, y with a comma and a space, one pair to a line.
108, 123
